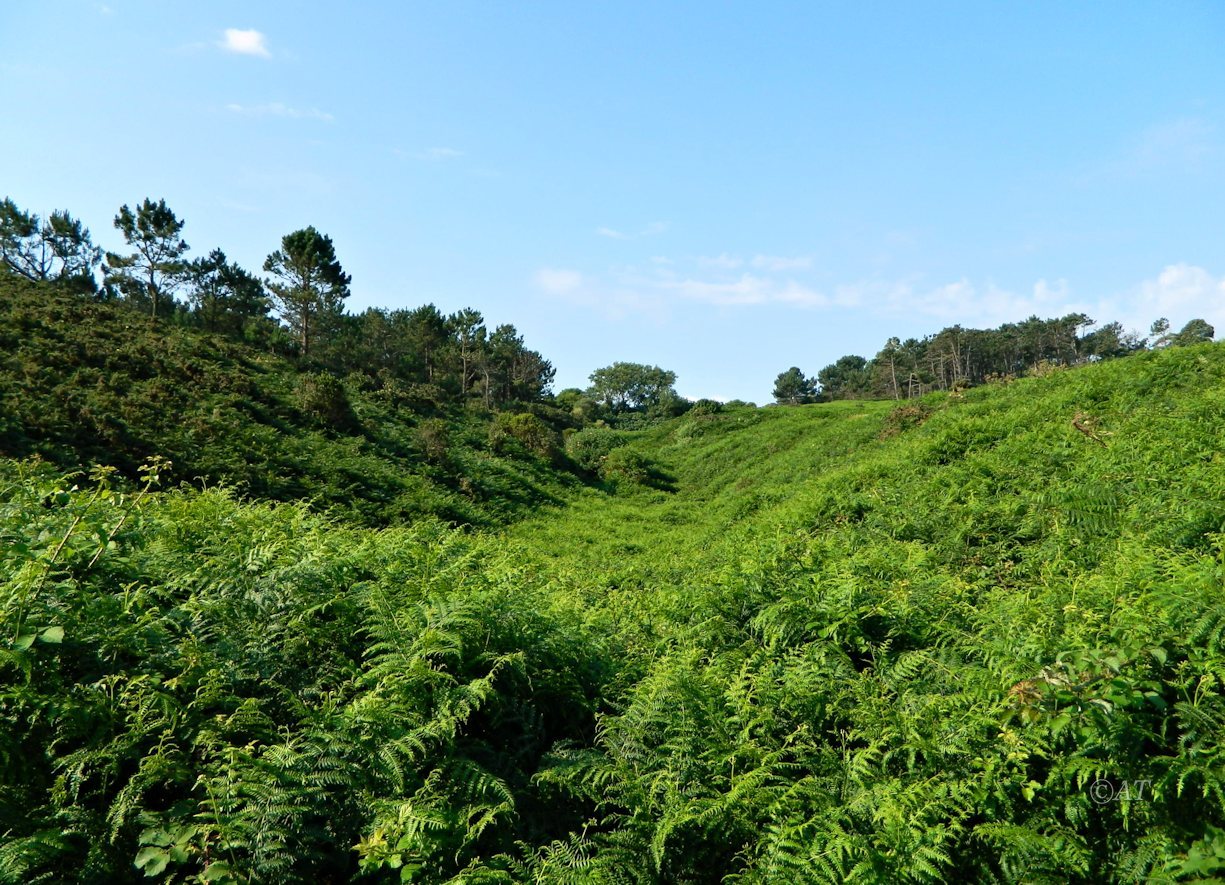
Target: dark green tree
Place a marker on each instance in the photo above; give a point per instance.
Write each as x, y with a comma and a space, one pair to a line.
793, 388
515, 372
625, 387
428, 336
58, 248
223, 295
849, 377
1108, 342
1196, 331
470, 345
155, 268
308, 284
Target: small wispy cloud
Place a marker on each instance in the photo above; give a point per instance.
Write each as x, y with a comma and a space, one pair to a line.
276, 109
653, 229
722, 261
433, 154
777, 263
612, 301
245, 42
558, 281
103, 9
1183, 145
440, 153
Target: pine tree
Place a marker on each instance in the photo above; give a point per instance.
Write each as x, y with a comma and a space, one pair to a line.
308, 283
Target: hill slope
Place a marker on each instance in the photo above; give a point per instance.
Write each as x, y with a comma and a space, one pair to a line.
83, 382
982, 639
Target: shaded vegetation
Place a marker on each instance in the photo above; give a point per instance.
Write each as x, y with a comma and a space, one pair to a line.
84, 382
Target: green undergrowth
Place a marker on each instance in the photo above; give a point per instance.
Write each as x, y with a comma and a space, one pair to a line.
976, 638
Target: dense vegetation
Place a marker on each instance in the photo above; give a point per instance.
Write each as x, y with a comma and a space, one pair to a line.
977, 635
84, 382
970, 627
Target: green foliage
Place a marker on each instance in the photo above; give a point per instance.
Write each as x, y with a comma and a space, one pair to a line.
793, 388
974, 637
322, 397
155, 267
589, 447
625, 465
83, 382
308, 283
56, 249
527, 430
198, 689
632, 387
703, 407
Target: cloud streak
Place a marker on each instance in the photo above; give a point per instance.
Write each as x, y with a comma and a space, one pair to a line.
245, 42
276, 109
651, 230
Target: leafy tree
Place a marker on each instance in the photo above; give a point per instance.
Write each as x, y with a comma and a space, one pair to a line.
625, 387
308, 283
58, 248
223, 295
847, 378
1196, 331
792, 388
1160, 332
1108, 341
155, 268
518, 374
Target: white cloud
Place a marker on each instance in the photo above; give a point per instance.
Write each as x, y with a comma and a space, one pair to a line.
276, 109
1181, 292
747, 289
245, 42
611, 234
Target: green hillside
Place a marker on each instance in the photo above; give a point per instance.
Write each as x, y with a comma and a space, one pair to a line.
83, 382
975, 637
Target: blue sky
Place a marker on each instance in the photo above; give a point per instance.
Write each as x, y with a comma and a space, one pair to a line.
723, 189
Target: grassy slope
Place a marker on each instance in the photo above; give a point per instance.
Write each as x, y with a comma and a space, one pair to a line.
746, 473
82, 383
1056, 595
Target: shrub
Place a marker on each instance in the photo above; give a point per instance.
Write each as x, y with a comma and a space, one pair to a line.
903, 418
322, 397
588, 447
527, 430
433, 438
626, 465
